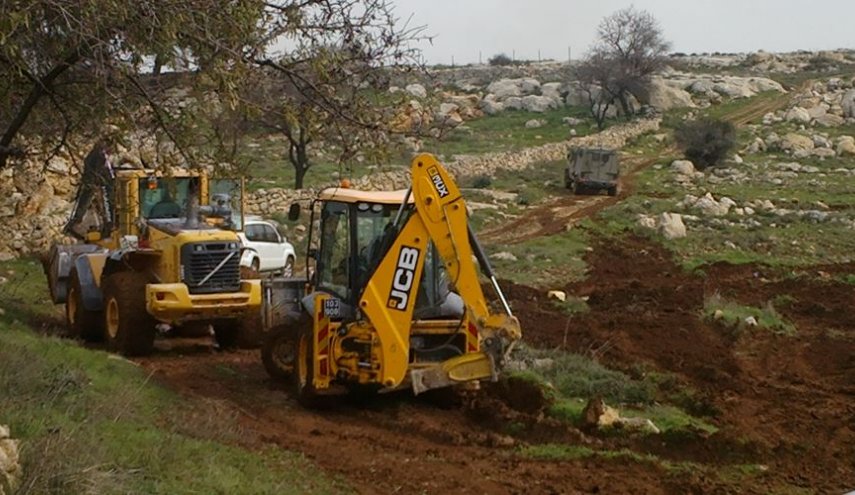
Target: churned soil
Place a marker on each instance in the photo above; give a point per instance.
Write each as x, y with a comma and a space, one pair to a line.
784, 401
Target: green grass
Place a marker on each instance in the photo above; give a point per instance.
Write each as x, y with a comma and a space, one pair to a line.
25, 294
733, 315
565, 452
671, 419
545, 261
506, 131
572, 305
91, 423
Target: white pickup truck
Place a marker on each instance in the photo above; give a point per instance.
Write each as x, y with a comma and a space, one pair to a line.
264, 249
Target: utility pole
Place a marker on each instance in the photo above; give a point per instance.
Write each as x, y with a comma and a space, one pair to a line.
569, 54
514, 55
479, 57
538, 54
452, 61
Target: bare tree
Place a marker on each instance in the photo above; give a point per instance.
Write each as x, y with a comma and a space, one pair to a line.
330, 88
595, 75
630, 42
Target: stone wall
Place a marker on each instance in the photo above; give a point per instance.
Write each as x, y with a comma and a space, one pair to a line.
267, 202
36, 197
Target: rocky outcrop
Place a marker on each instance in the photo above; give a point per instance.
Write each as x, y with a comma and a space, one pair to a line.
10, 466
664, 96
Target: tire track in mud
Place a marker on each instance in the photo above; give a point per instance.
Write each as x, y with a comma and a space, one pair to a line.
400, 444
394, 444
559, 214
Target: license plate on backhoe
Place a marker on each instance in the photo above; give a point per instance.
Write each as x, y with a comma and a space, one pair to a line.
332, 308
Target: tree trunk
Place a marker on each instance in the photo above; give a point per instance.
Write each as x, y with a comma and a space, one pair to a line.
625, 105
40, 88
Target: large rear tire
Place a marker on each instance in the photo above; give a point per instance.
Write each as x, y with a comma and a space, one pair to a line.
129, 328
81, 323
279, 352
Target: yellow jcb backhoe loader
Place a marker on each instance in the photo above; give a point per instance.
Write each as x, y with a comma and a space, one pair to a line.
395, 298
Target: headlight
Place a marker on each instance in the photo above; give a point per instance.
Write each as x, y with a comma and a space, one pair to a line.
198, 248
233, 245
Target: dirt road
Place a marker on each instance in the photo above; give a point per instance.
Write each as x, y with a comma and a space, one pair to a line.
783, 403
780, 402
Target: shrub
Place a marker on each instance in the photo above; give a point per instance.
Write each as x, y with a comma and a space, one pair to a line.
706, 142
482, 182
500, 59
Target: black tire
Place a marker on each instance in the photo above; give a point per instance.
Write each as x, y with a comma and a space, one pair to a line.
577, 189
288, 269
278, 352
81, 323
613, 191
128, 327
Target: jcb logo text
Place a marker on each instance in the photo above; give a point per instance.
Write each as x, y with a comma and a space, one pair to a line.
402, 282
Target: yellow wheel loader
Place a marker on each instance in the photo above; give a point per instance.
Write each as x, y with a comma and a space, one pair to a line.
154, 249
395, 298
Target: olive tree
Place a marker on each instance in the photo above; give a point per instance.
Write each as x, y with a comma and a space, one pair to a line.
71, 66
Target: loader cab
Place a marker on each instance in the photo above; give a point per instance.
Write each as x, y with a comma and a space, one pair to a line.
356, 232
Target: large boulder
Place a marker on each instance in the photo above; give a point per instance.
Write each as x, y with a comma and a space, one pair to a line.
683, 167
540, 104
490, 106
848, 104
529, 86
513, 103
709, 206
797, 114
551, 90
504, 88
10, 466
671, 226
796, 142
846, 146
417, 90
830, 120
663, 96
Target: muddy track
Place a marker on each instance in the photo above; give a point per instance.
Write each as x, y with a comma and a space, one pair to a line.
756, 111
560, 214
645, 312
394, 444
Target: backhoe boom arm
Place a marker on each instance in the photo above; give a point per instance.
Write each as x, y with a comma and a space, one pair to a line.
389, 298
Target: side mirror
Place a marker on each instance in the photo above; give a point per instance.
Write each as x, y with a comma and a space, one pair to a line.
294, 212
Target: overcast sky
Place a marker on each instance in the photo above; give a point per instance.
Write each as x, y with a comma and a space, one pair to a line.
462, 28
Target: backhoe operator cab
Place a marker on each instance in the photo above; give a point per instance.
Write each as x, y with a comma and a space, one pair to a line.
394, 299
154, 249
